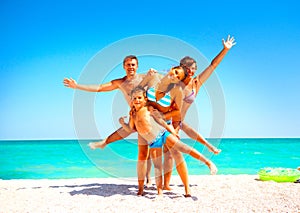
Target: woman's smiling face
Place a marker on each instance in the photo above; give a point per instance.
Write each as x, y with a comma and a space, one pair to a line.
176, 74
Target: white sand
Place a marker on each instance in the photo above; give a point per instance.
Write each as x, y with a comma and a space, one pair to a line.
220, 193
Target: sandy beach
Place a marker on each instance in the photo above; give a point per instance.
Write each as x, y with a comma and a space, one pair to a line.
220, 193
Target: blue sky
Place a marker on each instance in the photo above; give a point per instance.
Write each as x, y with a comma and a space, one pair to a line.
43, 42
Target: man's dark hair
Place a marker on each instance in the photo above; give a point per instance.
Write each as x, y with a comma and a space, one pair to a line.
130, 57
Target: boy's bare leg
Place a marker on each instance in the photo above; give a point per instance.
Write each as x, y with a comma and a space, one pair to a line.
148, 173
115, 136
196, 136
156, 156
168, 166
143, 152
172, 141
181, 168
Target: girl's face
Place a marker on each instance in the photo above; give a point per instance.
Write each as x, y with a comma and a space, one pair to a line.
138, 99
192, 69
176, 75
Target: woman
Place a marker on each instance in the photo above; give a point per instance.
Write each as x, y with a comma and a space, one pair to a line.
193, 85
191, 88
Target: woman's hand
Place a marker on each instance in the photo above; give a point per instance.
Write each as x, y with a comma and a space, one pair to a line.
229, 42
151, 72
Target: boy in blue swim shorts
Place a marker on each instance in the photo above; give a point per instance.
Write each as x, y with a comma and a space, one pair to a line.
157, 132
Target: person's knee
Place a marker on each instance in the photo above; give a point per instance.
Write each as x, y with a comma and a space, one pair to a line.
157, 164
184, 126
178, 157
143, 153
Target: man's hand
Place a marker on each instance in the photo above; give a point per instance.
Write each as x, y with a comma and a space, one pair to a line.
69, 82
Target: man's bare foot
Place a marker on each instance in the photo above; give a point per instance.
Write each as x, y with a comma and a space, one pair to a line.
100, 144
167, 188
140, 192
213, 168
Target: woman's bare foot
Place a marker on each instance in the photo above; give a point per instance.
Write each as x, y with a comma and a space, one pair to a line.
214, 150
100, 144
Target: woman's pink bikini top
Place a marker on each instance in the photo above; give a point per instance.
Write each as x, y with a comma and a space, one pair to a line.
190, 98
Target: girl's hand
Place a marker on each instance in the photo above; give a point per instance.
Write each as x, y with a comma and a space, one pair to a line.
121, 120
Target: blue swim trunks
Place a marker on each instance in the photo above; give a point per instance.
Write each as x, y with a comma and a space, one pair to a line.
160, 139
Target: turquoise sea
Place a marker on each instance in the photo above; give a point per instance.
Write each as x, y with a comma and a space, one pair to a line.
53, 159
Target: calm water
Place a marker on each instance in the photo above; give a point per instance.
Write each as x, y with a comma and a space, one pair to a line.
73, 159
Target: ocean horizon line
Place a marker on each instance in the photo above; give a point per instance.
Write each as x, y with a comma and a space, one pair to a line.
93, 139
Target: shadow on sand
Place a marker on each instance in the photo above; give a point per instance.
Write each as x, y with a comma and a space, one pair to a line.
107, 190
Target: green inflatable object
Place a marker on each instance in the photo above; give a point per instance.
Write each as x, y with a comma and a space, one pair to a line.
279, 174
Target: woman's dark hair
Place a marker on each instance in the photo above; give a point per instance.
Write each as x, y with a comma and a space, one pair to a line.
186, 62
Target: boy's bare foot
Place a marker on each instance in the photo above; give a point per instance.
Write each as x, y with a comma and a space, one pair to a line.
100, 144
148, 183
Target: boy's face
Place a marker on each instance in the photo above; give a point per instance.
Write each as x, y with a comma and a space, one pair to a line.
138, 99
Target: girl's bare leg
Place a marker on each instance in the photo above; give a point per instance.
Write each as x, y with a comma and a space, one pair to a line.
156, 156
196, 136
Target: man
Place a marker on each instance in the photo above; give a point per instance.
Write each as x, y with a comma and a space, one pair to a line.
125, 84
